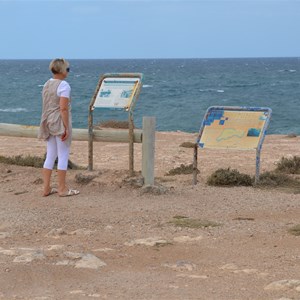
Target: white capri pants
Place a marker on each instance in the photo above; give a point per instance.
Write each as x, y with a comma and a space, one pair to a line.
57, 148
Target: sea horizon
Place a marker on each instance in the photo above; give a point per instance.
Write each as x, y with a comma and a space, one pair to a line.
177, 91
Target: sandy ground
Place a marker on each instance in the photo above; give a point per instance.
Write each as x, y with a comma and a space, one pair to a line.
115, 242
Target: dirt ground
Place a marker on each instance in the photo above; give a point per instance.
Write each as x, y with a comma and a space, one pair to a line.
115, 241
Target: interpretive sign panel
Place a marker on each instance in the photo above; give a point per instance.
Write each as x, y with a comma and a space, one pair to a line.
116, 92
233, 127
229, 127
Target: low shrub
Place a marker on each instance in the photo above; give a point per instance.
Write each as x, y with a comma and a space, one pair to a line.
289, 165
295, 230
182, 169
228, 177
26, 161
181, 221
274, 179
187, 145
32, 161
113, 124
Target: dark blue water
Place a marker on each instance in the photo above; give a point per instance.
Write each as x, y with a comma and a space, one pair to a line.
176, 91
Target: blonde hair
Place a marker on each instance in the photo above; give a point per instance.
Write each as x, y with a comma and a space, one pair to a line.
58, 66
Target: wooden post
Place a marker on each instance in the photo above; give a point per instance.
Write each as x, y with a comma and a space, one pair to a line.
78, 134
131, 145
148, 149
195, 164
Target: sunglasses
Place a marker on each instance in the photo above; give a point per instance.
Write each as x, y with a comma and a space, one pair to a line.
68, 70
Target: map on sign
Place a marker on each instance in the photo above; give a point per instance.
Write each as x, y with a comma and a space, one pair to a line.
116, 92
236, 129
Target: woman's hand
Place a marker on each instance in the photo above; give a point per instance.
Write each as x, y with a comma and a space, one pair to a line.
65, 135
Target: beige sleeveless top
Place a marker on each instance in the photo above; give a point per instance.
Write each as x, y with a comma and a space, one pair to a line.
51, 121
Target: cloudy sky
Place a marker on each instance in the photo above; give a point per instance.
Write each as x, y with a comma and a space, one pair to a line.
149, 28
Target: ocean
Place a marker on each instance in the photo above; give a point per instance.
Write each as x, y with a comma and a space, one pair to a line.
176, 91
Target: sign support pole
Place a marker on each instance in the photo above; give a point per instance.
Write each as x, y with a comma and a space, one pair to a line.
131, 144
90, 144
257, 165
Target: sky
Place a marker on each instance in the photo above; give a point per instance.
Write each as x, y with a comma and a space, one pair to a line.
118, 29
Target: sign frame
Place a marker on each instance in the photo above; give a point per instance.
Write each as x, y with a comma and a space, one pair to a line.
267, 113
128, 108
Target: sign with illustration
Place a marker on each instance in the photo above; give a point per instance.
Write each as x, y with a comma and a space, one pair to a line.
234, 128
117, 92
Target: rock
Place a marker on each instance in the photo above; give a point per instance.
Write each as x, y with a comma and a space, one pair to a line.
4, 235
151, 241
247, 271
11, 252
192, 276
90, 261
84, 179
154, 189
38, 181
82, 231
181, 266
229, 267
64, 263
94, 295
187, 239
103, 250
82, 260
284, 285
56, 233
29, 257
73, 255
55, 247
77, 292
136, 182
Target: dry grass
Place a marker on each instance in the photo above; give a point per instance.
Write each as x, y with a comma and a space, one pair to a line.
182, 221
267, 180
276, 179
291, 135
182, 169
289, 165
113, 124
295, 230
32, 161
26, 161
228, 177
187, 145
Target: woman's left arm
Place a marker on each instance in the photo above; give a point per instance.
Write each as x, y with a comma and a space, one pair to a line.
64, 112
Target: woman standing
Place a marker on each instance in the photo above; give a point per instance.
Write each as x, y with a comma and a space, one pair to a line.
56, 127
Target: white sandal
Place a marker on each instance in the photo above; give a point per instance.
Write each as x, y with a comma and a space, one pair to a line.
70, 192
